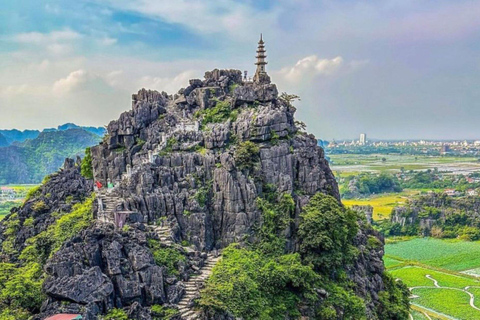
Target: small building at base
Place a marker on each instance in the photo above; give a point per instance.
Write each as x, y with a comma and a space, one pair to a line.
65, 316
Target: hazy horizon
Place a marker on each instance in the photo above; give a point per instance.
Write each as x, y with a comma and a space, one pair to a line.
393, 69
370, 139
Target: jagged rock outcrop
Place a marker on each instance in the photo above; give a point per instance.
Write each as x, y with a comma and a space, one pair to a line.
167, 187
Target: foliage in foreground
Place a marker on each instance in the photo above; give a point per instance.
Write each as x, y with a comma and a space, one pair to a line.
163, 313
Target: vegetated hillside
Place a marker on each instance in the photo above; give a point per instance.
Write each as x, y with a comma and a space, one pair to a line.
436, 215
30, 161
13, 135
244, 182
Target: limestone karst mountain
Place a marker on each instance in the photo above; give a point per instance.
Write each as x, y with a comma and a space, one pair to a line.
180, 178
29, 161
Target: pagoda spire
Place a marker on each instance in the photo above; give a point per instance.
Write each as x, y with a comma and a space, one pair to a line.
260, 74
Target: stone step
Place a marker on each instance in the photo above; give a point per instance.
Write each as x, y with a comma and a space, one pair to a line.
189, 313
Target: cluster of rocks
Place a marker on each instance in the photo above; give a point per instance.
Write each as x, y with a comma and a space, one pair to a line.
102, 268
58, 194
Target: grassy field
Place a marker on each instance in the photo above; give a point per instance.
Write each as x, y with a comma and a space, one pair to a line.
453, 255
415, 276
383, 203
455, 303
20, 193
432, 268
373, 162
418, 313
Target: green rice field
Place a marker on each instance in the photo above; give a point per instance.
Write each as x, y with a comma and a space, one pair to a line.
434, 270
453, 255
344, 163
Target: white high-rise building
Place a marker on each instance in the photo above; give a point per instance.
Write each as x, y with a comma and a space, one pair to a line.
363, 138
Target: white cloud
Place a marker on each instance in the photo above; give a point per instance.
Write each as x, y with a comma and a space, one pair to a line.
168, 84
233, 17
43, 38
310, 67
107, 41
71, 82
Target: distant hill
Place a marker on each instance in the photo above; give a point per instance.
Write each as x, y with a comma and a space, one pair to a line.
3, 141
16, 136
31, 160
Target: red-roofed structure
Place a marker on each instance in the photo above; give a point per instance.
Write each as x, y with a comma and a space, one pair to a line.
65, 316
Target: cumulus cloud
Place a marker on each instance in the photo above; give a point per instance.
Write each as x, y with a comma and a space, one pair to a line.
73, 81
310, 67
168, 84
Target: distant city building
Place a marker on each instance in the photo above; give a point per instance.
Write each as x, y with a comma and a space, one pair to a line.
445, 149
363, 138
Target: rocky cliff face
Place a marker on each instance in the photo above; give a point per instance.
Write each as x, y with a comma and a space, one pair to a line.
188, 168
203, 160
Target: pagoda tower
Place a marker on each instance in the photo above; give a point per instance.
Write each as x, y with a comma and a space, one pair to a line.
261, 75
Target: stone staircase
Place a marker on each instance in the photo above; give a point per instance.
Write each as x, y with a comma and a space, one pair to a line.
109, 203
193, 287
164, 234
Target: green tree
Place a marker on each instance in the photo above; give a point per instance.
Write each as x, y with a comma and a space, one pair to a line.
394, 300
326, 233
115, 314
253, 285
247, 155
86, 166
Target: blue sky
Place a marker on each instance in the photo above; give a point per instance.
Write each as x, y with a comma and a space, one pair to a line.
391, 68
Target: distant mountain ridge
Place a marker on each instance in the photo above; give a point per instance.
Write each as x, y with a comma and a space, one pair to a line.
30, 160
14, 135
3, 141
